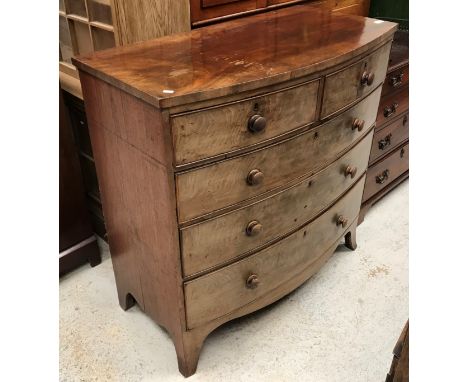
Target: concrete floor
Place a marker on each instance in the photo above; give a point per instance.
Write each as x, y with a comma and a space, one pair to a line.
339, 326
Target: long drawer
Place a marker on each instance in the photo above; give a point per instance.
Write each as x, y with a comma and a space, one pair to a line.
349, 84
218, 240
206, 189
386, 171
386, 139
392, 106
221, 129
227, 289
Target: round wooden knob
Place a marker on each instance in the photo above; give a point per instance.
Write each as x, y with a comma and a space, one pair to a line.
358, 124
342, 221
257, 123
351, 170
253, 228
252, 281
255, 177
367, 78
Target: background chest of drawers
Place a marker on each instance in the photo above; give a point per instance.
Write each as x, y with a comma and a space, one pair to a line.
389, 158
231, 160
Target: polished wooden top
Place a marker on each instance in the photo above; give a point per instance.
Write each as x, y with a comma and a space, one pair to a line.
237, 55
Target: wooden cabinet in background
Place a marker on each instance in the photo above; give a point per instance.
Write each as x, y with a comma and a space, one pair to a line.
208, 11
389, 158
77, 243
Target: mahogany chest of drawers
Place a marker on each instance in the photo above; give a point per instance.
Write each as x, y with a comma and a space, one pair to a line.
232, 160
389, 157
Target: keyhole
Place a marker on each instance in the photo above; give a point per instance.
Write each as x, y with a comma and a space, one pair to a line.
256, 107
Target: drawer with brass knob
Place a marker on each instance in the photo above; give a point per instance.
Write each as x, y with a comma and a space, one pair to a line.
218, 186
221, 239
222, 291
212, 131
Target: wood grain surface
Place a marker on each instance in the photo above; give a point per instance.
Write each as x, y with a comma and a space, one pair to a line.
344, 87
238, 55
216, 130
221, 292
140, 20
215, 241
210, 188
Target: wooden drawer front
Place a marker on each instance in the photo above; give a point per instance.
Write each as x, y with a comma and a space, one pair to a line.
223, 238
221, 129
396, 79
219, 185
345, 86
223, 291
392, 106
384, 172
386, 139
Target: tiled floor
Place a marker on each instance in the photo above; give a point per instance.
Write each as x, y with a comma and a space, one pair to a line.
339, 326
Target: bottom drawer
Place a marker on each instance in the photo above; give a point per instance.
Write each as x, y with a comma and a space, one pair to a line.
227, 289
386, 171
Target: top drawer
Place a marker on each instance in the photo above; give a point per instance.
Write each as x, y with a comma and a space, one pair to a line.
355, 81
217, 130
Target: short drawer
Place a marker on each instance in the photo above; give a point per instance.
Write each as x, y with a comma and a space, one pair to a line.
218, 240
216, 186
392, 106
217, 130
386, 139
349, 84
396, 79
386, 171
227, 289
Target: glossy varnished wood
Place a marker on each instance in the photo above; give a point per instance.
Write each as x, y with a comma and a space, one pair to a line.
210, 188
221, 292
238, 55
218, 130
218, 240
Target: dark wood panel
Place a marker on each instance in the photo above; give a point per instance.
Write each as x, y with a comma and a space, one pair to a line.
77, 243
238, 55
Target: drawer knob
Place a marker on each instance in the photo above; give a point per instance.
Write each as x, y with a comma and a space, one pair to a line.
390, 110
358, 124
367, 78
397, 80
257, 123
252, 281
387, 141
351, 171
341, 221
382, 178
255, 177
253, 228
